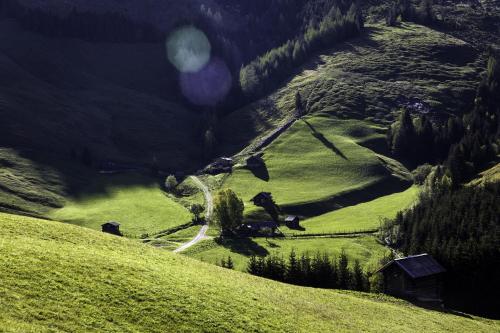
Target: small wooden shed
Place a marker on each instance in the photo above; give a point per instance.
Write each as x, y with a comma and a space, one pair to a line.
112, 227
259, 228
292, 222
418, 277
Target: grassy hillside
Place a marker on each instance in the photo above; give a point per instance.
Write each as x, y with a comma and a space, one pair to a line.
368, 77
57, 277
136, 202
62, 94
491, 175
30, 186
317, 166
366, 249
361, 217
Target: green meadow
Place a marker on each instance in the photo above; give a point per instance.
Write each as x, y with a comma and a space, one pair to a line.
316, 160
362, 217
62, 278
137, 202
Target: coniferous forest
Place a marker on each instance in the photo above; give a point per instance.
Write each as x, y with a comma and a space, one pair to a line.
458, 224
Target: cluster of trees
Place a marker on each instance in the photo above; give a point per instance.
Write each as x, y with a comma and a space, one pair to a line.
226, 263
404, 10
264, 73
319, 271
103, 27
466, 144
461, 229
228, 211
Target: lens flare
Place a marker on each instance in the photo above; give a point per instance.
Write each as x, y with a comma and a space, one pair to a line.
188, 49
208, 86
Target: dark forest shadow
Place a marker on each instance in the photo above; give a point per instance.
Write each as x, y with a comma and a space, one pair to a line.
327, 143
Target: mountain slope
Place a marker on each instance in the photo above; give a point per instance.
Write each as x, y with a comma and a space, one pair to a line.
61, 94
57, 277
371, 78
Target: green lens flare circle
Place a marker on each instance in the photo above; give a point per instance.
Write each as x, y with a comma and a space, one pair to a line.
188, 49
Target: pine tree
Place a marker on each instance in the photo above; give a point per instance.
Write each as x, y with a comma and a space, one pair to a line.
359, 277
293, 274
404, 138
229, 263
299, 105
344, 275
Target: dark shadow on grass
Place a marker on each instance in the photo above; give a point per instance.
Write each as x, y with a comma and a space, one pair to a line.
244, 246
349, 198
260, 172
327, 143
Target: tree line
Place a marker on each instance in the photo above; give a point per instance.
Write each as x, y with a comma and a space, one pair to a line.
319, 271
458, 224
264, 73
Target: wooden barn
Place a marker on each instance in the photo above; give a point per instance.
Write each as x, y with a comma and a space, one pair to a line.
292, 222
417, 278
259, 228
112, 228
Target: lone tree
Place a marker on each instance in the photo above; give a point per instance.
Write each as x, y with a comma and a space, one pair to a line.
228, 211
391, 18
299, 105
196, 210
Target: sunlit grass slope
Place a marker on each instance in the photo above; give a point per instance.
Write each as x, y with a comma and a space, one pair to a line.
317, 159
61, 278
361, 217
134, 201
366, 249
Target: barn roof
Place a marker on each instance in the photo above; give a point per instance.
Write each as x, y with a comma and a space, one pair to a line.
263, 195
113, 223
417, 266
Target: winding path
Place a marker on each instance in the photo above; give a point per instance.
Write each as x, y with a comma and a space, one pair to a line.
210, 207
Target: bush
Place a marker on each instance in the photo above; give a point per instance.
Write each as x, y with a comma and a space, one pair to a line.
171, 184
420, 174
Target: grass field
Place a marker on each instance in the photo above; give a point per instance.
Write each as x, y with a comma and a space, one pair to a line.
319, 160
135, 201
365, 249
62, 278
361, 217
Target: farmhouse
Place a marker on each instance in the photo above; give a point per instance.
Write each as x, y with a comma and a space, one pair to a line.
220, 165
292, 222
112, 228
259, 228
418, 277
